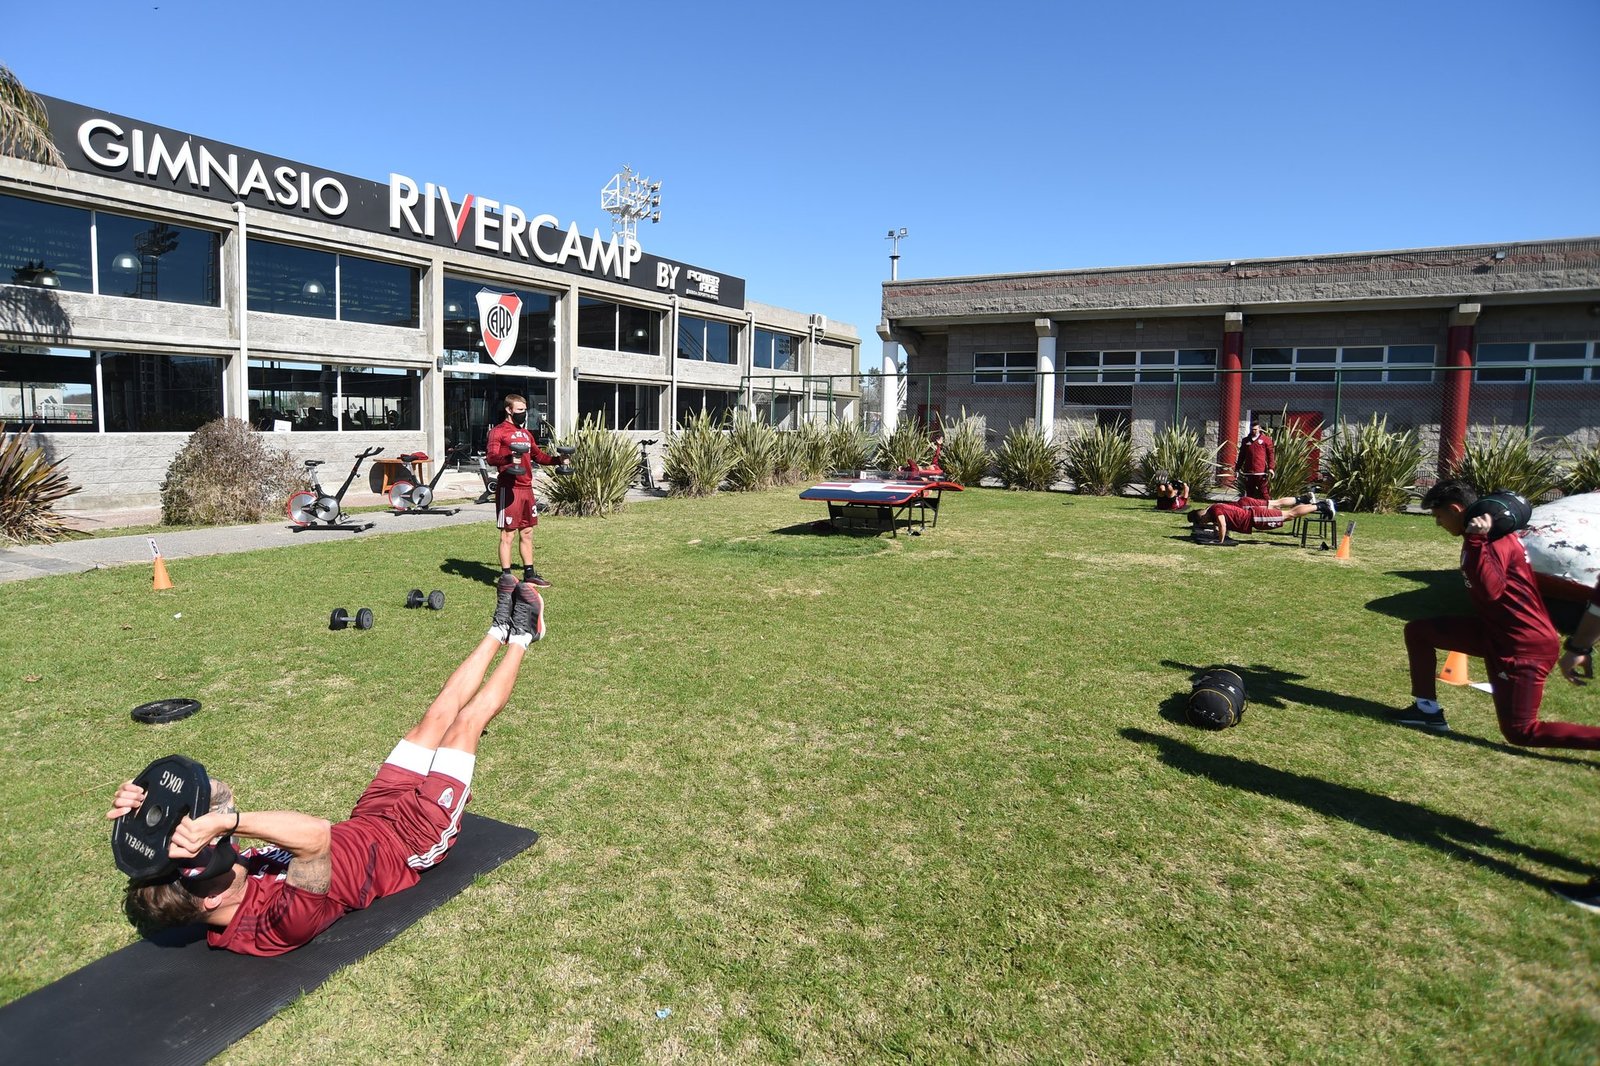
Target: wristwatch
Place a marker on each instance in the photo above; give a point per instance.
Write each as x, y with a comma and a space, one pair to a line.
1578, 649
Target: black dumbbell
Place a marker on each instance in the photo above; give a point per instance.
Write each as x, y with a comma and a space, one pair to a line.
565, 465
340, 618
434, 600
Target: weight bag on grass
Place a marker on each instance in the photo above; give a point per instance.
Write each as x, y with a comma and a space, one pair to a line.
1217, 700
171, 999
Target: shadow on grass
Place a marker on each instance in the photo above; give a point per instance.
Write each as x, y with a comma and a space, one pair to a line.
1271, 687
1443, 592
1444, 833
471, 569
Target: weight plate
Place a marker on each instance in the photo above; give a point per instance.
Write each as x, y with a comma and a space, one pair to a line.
414, 598
157, 712
436, 600
364, 618
339, 619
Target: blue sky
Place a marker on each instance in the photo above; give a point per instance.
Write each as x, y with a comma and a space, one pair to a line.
790, 138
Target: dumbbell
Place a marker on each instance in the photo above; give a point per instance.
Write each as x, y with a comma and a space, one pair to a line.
433, 601
340, 618
518, 450
565, 465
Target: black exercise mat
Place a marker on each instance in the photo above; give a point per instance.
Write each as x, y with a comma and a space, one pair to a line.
109, 1011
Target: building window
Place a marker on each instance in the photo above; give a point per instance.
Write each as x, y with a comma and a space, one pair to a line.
53, 389
776, 351
718, 403
156, 261
1010, 368
781, 410
708, 340
289, 280
463, 326
617, 327
285, 394
136, 257
620, 405
1356, 364
1512, 363
145, 393
1155, 366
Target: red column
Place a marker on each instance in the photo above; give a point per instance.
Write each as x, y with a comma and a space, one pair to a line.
1232, 382
1457, 390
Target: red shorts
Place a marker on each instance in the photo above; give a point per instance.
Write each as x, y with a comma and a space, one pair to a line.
515, 507
422, 810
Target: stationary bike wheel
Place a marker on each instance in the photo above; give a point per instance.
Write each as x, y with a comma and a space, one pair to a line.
298, 507
421, 496
325, 508
400, 495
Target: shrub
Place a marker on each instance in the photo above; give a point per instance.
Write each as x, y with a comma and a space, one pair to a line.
850, 446
1027, 459
1294, 469
755, 453
1181, 453
1504, 457
908, 445
1583, 469
966, 455
31, 484
227, 473
1372, 469
786, 457
698, 457
1098, 458
811, 450
604, 464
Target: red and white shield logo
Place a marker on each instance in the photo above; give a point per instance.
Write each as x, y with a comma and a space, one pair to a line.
499, 317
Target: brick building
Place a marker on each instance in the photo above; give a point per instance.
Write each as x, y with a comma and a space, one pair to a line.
1440, 340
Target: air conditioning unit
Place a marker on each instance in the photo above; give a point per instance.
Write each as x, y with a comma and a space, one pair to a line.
819, 323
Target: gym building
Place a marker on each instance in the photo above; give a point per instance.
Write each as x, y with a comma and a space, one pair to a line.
163, 280
1443, 341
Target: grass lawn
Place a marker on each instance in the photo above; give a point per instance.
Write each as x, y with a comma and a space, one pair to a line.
863, 799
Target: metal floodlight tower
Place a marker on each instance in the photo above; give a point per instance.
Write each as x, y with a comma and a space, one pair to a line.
894, 256
630, 198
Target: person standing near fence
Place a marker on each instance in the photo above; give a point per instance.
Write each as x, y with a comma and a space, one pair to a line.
1256, 461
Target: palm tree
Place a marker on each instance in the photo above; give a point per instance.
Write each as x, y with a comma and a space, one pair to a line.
24, 125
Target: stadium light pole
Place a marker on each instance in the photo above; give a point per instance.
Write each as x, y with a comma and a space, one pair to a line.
894, 254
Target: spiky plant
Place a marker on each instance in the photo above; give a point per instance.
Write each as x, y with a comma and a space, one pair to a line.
1583, 469
698, 457
908, 445
1294, 446
1504, 457
604, 463
811, 450
1098, 458
755, 453
1027, 459
965, 458
1372, 469
1182, 454
225, 474
850, 446
31, 484
786, 457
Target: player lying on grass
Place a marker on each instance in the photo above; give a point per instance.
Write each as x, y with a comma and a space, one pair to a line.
311, 873
1251, 515
1172, 494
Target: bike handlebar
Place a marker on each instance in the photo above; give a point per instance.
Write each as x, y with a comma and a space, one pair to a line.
369, 452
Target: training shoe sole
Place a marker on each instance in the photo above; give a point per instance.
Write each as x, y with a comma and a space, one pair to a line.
1425, 723
1585, 896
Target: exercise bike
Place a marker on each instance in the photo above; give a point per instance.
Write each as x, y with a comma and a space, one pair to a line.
315, 508
645, 480
408, 497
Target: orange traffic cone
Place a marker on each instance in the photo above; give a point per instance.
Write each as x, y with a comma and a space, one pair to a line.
1344, 542
1455, 669
162, 581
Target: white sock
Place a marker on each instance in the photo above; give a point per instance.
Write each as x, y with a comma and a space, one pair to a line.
1428, 706
452, 762
521, 640
413, 757
500, 633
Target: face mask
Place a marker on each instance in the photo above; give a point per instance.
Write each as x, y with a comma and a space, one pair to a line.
520, 418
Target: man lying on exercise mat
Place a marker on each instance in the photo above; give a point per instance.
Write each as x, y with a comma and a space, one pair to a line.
273, 899
1253, 516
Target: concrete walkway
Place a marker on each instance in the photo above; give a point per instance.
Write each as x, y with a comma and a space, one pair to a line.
93, 553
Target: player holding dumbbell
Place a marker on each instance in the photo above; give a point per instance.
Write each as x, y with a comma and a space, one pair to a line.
511, 450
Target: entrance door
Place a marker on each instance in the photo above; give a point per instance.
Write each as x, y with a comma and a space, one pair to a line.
474, 402
1309, 423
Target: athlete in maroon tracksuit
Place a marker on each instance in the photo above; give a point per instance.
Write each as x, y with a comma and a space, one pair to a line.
1512, 631
274, 899
516, 509
1577, 656
1256, 461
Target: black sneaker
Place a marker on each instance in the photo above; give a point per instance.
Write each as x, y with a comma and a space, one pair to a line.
527, 612
1308, 496
505, 592
1415, 717
1328, 509
1586, 896
532, 577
